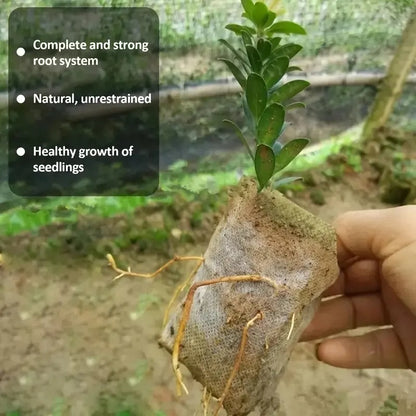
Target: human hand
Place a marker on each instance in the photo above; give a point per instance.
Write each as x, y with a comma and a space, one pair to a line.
377, 287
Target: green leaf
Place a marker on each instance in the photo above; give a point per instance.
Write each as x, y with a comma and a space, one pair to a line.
264, 47
288, 152
270, 18
287, 28
274, 70
298, 104
254, 58
241, 136
249, 116
256, 95
294, 68
270, 124
286, 181
232, 49
275, 42
265, 164
248, 6
239, 76
290, 50
246, 37
237, 54
239, 28
289, 90
259, 14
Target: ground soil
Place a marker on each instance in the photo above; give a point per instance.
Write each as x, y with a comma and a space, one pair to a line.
75, 343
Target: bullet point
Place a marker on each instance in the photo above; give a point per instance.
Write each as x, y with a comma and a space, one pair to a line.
20, 51
20, 98
20, 151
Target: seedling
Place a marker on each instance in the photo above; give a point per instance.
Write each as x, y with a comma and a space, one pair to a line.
256, 288
259, 66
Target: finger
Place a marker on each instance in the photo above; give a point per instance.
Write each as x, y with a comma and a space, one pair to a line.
399, 272
347, 312
378, 349
404, 322
362, 276
374, 233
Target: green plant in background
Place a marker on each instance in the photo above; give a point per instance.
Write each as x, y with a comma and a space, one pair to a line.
259, 67
390, 407
145, 301
58, 407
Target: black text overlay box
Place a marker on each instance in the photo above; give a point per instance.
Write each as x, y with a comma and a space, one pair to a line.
83, 101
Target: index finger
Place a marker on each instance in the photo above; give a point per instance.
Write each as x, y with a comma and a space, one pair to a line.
374, 234
361, 276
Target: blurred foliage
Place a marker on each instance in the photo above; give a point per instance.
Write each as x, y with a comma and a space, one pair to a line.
366, 30
363, 28
404, 115
179, 178
57, 411
390, 407
146, 300
395, 161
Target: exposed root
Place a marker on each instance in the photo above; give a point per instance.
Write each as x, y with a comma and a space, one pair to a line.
178, 290
206, 398
129, 273
181, 288
187, 311
292, 326
238, 360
